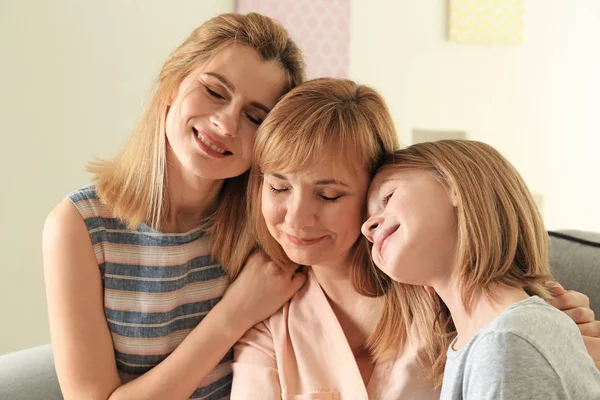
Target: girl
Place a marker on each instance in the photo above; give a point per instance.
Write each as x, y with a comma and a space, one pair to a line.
456, 217
134, 291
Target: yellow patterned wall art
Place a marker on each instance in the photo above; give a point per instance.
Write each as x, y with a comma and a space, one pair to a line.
486, 21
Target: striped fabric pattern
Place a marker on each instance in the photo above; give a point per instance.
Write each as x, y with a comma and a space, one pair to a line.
157, 288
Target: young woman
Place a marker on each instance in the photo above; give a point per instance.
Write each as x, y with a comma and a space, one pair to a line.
134, 294
341, 335
456, 217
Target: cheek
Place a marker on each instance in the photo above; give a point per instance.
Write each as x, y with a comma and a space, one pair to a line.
246, 140
272, 210
347, 220
190, 106
170, 122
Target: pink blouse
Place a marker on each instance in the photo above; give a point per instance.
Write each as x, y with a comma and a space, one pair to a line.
301, 352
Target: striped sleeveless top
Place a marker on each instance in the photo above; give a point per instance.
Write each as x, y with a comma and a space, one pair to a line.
157, 288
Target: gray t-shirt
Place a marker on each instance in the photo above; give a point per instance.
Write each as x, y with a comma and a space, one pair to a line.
530, 351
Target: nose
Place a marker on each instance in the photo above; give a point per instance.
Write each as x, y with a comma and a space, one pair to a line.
226, 121
370, 226
300, 214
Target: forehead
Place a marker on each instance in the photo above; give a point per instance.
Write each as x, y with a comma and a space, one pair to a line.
251, 76
325, 168
384, 175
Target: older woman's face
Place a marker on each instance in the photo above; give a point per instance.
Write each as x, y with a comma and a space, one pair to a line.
316, 214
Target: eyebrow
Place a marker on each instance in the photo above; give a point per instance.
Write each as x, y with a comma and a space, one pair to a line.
377, 191
319, 182
231, 87
386, 180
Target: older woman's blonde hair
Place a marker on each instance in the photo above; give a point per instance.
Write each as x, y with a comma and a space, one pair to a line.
501, 234
133, 185
350, 124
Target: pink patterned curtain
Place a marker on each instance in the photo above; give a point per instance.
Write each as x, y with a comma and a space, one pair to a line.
320, 27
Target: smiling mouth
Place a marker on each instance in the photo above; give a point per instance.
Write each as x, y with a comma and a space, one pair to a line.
209, 144
385, 235
303, 242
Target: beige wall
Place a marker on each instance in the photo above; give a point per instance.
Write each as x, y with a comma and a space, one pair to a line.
73, 78
537, 102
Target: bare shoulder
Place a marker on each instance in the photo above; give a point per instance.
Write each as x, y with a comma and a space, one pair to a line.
65, 230
62, 219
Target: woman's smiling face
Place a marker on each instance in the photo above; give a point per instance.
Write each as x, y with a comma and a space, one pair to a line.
315, 215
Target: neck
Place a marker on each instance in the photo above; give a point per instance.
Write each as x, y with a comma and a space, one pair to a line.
483, 310
191, 198
354, 311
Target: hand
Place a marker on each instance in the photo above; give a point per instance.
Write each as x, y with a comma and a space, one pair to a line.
261, 289
593, 347
577, 306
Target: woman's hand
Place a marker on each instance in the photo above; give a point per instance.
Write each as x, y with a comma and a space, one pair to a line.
261, 289
577, 306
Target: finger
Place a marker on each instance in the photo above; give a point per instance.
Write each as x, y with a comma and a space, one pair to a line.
298, 280
570, 299
290, 268
557, 289
593, 347
581, 315
590, 329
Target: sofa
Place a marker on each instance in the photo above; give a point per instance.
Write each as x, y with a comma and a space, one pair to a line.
574, 259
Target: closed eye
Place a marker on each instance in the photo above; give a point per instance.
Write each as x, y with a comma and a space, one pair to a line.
387, 198
214, 94
277, 190
256, 121
330, 198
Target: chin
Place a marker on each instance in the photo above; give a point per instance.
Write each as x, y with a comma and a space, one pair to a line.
302, 259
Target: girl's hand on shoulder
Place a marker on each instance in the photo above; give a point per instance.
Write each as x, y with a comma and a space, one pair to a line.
261, 289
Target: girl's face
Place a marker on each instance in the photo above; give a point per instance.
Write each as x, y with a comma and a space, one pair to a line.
315, 215
413, 226
213, 116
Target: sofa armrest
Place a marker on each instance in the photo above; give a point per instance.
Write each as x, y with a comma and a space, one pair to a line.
575, 263
29, 375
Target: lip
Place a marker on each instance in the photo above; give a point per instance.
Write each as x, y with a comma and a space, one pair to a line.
212, 140
303, 241
383, 236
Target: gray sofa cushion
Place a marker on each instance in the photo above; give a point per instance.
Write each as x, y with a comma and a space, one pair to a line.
29, 375
575, 262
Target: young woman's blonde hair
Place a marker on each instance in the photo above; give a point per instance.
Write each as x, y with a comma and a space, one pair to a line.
501, 235
133, 185
345, 122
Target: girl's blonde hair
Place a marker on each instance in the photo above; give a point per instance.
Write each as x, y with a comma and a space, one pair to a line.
133, 185
340, 120
501, 235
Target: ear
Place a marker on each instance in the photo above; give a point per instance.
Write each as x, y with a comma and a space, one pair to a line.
172, 97
429, 289
453, 198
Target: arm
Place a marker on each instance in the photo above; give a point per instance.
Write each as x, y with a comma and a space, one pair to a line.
82, 344
255, 374
577, 306
505, 366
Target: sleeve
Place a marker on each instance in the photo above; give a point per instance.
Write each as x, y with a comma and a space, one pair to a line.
506, 366
255, 373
